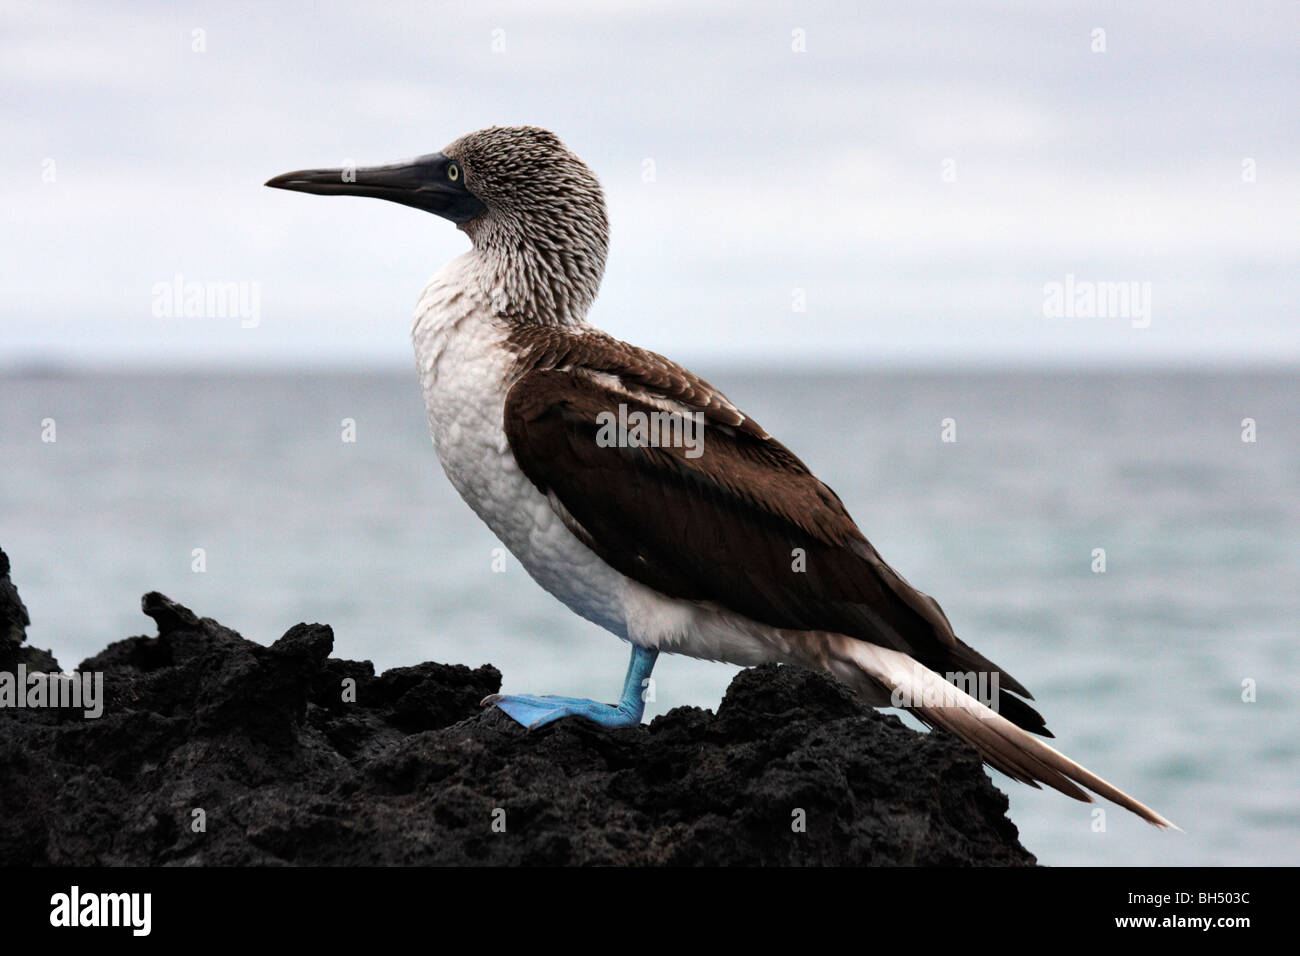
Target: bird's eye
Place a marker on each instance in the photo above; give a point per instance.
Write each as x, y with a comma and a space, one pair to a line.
453, 172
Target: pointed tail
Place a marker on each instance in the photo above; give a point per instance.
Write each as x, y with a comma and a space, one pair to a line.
1002, 744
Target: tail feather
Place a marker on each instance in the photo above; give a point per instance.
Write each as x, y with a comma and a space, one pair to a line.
1000, 743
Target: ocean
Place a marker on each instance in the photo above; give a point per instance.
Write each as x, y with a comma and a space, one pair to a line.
1173, 672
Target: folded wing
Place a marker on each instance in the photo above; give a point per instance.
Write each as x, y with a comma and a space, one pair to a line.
736, 519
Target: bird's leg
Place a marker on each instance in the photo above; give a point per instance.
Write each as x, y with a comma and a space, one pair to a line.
532, 710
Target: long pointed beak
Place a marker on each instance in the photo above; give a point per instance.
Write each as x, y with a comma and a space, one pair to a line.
421, 183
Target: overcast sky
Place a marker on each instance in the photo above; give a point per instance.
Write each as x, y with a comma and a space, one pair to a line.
920, 171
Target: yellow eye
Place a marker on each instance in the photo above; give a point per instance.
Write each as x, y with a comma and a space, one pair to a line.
453, 172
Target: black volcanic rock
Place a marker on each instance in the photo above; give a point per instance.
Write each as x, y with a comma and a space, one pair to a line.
287, 769
13, 629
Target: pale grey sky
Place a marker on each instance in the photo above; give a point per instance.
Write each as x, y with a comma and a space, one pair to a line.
919, 170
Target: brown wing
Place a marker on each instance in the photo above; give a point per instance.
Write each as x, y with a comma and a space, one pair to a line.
745, 524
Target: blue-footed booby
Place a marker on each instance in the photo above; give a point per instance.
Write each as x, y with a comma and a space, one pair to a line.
725, 546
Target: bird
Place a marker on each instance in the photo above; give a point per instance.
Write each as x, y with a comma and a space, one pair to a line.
638, 494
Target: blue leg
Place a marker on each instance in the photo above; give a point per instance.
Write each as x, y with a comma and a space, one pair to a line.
532, 710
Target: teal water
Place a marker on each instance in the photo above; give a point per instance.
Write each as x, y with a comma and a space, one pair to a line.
1139, 670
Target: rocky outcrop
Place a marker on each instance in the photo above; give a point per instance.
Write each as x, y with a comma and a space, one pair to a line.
212, 749
13, 629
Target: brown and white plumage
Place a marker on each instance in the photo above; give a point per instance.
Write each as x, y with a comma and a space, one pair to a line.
736, 552
723, 528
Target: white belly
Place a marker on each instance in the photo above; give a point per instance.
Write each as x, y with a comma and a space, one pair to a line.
463, 370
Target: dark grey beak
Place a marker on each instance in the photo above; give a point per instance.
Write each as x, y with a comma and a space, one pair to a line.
433, 183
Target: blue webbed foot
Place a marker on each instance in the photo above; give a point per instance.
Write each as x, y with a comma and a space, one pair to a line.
532, 710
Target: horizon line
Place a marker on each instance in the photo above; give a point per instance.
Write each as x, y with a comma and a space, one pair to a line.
19, 368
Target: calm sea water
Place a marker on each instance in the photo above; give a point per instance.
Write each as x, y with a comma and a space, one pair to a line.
1139, 670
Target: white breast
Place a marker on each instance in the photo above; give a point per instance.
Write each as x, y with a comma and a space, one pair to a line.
463, 367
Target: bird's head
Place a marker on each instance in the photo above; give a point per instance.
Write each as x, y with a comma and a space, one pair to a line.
531, 207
